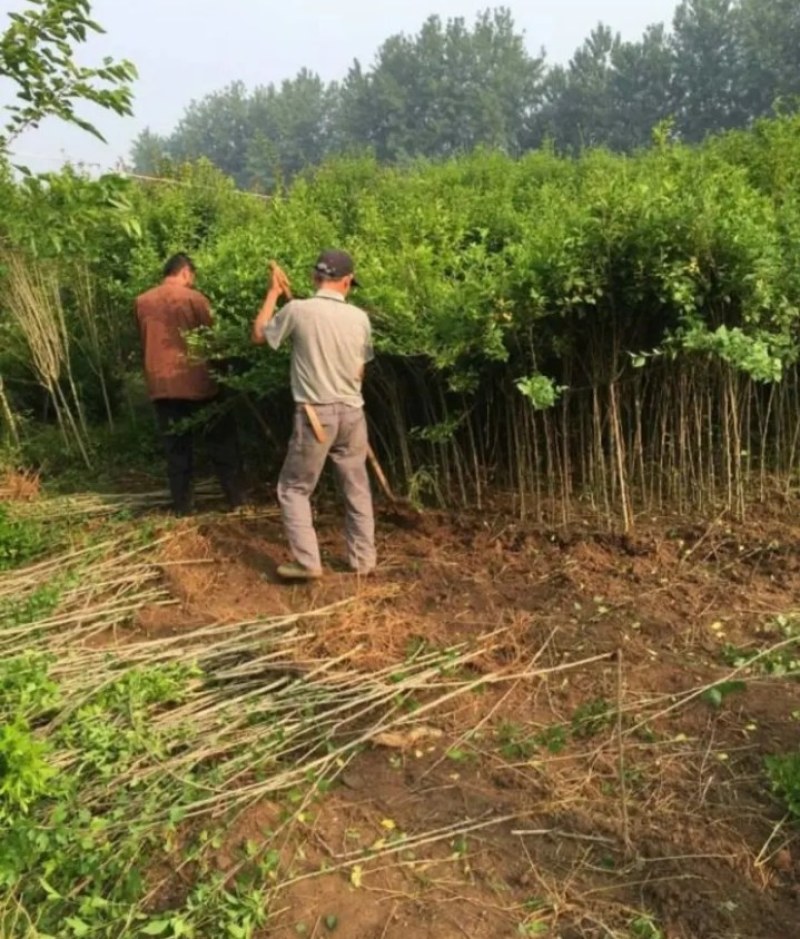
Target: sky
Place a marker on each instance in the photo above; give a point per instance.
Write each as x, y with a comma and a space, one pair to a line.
185, 49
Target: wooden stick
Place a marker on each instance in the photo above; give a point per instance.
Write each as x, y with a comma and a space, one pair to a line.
380, 475
623, 786
283, 281
316, 424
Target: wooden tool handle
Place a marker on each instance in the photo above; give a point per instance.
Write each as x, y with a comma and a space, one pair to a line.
378, 470
283, 277
314, 421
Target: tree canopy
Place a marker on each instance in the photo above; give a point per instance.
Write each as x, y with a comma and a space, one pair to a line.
453, 87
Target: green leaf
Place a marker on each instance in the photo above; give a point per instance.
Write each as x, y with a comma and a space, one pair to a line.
78, 927
156, 928
51, 892
716, 695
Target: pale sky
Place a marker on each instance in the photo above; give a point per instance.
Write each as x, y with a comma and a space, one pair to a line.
185, 49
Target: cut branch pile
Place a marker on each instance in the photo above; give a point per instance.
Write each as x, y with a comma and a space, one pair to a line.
182, 730
108, 505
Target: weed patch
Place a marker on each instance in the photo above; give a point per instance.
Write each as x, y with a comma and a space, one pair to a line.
21, 540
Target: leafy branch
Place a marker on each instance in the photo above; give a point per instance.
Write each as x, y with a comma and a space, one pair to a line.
37, 57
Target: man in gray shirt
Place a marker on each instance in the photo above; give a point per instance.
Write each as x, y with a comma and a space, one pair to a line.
331, 344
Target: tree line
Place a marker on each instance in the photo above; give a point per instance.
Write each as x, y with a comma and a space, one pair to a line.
453, 87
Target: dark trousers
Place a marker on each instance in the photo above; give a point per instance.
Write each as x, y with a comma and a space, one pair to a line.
217, 430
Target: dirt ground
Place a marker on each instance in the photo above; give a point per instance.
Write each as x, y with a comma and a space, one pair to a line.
602, 799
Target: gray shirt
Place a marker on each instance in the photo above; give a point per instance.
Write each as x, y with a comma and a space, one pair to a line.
331, 342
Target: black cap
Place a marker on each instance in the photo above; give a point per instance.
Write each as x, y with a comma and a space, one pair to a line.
334, 265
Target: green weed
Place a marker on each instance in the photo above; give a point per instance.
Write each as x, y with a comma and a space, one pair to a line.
778, 663
24, 771
784, 775
588, 720
516, 744
36, 606
644, 927
79, 865
592, 718
21, 540
533, 924
716, 696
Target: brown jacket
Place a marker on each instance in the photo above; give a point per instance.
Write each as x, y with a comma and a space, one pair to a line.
164, 314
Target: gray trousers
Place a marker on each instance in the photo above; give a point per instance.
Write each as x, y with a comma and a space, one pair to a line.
346, 445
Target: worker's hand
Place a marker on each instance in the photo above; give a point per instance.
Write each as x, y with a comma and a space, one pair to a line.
279, 281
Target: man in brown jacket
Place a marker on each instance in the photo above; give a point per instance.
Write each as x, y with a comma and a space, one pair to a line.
181, 389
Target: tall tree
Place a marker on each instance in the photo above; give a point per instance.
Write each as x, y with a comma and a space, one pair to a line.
444, 91
148, 151
707, 67
612, 93
218, 127
578, 109
255, 138
294, 128
641, 89
770, 37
